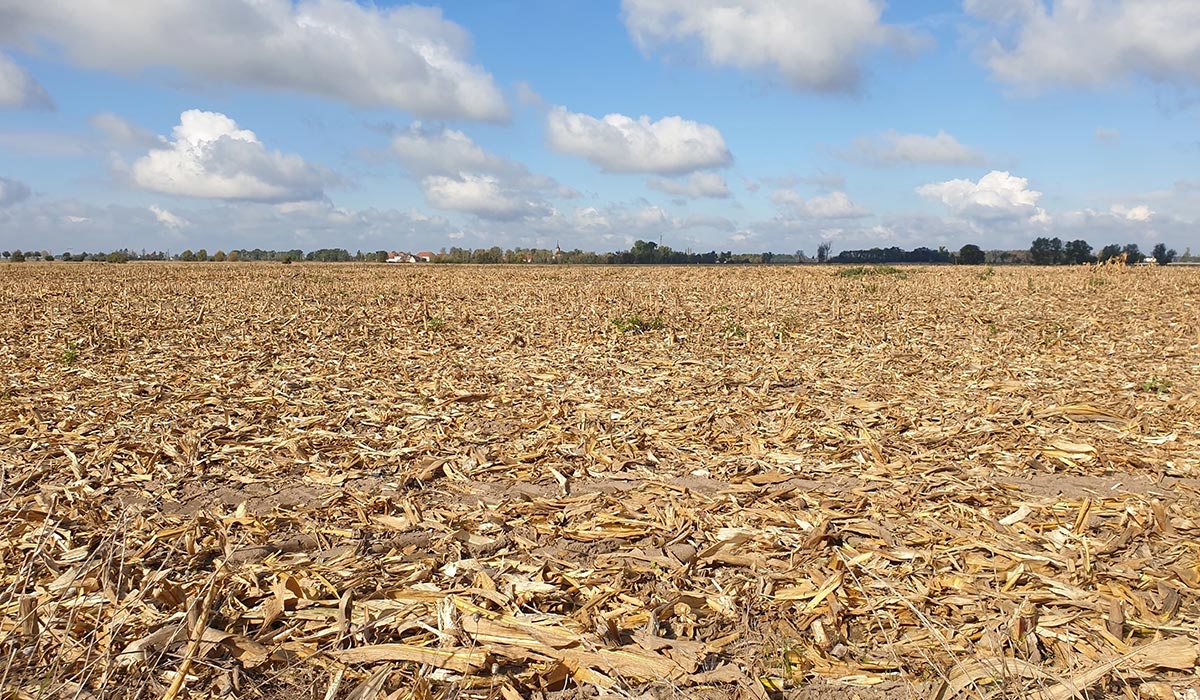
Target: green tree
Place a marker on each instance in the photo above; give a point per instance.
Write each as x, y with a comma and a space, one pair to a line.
970, 254
234, 256
1078, 252
823, 251
202, 255
644, 252
219, 256
17, 257
187, 256
1110, 251
1133, 256
1162, 255
1042, 251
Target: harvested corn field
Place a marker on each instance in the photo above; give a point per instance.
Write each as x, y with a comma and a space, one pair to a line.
348, 481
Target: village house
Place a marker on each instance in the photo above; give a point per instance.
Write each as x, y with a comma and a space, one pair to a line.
399, 257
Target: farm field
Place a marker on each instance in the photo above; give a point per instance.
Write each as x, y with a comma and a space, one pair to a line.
336, 481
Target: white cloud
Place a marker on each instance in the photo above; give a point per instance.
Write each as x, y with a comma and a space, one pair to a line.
408, 57
997, 195
1140, 212
425, 151
17, 89
698, 185
834, 205
212, 157
70, 225
485, 196
894, 148
621, 144
12, 191
1093, 42
167, 218
812, 44
121, 133
457, 174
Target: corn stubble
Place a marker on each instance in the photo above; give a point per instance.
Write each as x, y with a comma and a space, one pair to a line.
367, 481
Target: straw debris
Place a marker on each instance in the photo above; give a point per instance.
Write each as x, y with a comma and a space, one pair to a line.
268, 480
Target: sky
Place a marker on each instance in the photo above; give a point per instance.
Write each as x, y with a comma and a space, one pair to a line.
743, 125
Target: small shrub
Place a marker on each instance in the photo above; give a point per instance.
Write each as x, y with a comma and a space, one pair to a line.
433, 323
734, 329
70, 355
634, 323
863, 271
1157, 385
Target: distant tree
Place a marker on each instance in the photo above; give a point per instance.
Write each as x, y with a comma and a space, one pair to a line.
823, 251
187, 256
970, 254
17, 257
6, 254
1110, 251
202, 255
1133, 256
1046, 251
219, 256
287, 260
234, 256
118, 256
1162, 255
1078, 252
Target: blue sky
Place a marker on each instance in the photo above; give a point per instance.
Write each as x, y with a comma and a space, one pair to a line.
709, 124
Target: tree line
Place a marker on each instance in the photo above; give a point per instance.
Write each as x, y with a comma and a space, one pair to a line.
1043, 251
1052, 251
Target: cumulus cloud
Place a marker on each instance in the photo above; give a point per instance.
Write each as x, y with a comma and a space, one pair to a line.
210, 156
834, 205
1140, 212
1092, 42
485, 196
17, 89
455, 173
620, 144
408, 57
122, 133
167, 218
424, 151
12, 191
813, 44
997, 195
894, 148
698, 185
